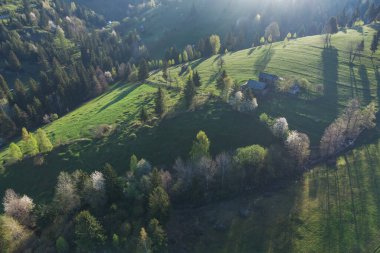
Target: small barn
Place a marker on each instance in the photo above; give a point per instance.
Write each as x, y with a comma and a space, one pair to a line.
256, 86
268, 78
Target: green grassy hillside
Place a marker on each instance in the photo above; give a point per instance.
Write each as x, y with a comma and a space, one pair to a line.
329, 210
161, 144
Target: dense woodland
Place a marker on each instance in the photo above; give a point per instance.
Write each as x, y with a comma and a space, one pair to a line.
56, 59
59, 54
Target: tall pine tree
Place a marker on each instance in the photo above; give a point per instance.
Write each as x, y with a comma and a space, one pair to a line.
161, 107
197, 79
190, 91
7, 126
375, 43
143, 70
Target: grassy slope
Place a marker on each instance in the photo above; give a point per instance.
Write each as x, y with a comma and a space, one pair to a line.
304, 57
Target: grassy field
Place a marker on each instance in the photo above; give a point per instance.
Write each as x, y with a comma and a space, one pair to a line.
329, 210
227, 130
304, 58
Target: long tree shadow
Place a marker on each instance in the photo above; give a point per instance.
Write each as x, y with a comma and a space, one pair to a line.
353, 204
377, 75
330, 78
271, 225
374, 178
263, 60
353, 81
120, 96
196, 63
363, 73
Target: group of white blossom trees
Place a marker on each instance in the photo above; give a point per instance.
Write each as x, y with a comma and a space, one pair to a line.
68, 195
296, 143
339, 135
347, 127
243, 103
16, 222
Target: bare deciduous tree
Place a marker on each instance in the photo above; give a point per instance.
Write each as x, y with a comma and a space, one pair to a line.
207, 169
223, 164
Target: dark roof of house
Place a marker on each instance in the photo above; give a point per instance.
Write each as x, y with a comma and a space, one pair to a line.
268, 76
256, 85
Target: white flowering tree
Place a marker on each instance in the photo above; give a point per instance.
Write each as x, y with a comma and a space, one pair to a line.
66, 195
19, 208
243, 104
298, 145
98, 181
94, 192
280, 127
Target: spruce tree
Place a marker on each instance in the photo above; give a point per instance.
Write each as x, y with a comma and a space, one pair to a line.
89, 233
44, 144
14, 62
21, 117
5, 89
144, 114
7, 126
197, 79
143, 70
114, 189
375, 43
190, 91
161, 107
220, 81
21, 95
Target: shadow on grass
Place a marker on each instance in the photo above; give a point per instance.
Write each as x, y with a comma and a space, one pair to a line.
363, 73
353, 81
213, 77
251, 51
196, 63
262, 61
161, 145
271, 225
120, 96
374, 181
330, 78
377, 75
353, 205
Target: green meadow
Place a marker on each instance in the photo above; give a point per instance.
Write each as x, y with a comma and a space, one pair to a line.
332, 209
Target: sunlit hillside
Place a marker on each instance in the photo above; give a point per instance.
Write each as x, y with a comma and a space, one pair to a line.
160, 126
